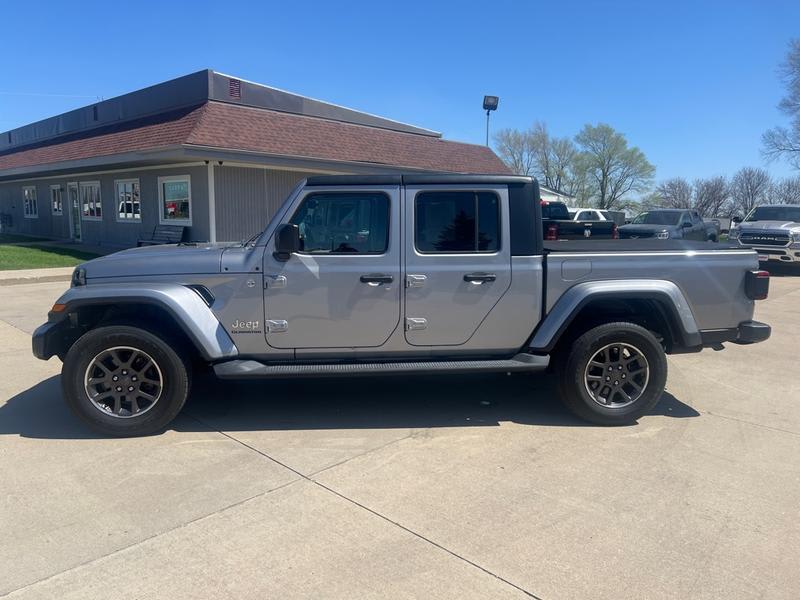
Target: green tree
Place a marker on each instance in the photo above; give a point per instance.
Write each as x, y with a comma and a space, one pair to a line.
612, 169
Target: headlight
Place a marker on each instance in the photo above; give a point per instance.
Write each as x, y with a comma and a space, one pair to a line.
78, 277
796, 236
663, 235
733, 233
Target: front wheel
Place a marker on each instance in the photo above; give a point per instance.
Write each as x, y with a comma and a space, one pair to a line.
124, 381
613, 374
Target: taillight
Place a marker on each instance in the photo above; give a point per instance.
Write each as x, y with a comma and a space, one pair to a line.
614, 231
552, 232
756, 285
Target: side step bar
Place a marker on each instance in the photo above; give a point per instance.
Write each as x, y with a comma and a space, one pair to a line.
251, 369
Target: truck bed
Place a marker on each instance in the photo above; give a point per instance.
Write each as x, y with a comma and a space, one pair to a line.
630, 245
710, 276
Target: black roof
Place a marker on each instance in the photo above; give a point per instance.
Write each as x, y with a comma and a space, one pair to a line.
416, 178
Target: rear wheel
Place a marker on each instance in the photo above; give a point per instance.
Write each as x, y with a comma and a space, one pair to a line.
124, 381
613, 374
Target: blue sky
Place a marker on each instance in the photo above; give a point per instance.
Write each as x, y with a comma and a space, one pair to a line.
693, 84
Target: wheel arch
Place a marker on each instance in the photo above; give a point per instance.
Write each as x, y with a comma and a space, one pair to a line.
175, 310
656, 305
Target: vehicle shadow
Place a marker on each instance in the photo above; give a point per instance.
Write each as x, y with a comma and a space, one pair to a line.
777, 269
483, 400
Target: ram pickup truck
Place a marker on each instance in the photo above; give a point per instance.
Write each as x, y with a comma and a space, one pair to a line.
397, 275
559, 224
772, 231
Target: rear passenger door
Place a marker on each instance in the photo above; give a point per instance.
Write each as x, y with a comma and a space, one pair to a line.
457, 260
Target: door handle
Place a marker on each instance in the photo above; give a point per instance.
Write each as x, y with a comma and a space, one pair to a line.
479, 278
376, 279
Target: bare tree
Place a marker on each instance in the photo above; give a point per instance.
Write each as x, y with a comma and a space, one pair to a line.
712, 197
784, 142
750, 187
612, 168
534, 152
675, 193
785, 191
516, 150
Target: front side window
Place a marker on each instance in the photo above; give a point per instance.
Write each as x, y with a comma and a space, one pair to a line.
343, 223
91, 203
129, 203
29, 203
57, 199
457, 222
175, 196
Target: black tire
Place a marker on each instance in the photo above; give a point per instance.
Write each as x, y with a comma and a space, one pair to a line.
573, 385
174, 374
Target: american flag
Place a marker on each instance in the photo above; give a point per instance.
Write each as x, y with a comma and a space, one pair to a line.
235, 88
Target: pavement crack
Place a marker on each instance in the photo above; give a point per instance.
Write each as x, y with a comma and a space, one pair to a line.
375, 512
152, 537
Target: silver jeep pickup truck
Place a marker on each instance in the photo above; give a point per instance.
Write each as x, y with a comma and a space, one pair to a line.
396, 274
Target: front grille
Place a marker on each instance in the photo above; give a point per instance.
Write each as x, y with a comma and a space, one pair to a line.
636, 235
764, 239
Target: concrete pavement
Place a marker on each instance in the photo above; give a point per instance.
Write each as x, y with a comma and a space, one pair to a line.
469, 487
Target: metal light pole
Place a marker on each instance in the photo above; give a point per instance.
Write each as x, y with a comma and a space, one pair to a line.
489, 104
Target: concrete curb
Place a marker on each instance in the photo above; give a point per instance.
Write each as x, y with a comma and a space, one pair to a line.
22, 276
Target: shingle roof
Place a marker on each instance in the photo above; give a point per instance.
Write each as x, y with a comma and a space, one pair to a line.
231, 127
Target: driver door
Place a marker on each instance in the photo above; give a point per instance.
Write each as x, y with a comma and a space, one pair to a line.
342, 289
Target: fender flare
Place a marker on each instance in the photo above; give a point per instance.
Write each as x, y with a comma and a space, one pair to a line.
570, 304
188, 309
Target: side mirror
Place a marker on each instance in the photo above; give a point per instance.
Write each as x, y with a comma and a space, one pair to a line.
736, 220
287, 241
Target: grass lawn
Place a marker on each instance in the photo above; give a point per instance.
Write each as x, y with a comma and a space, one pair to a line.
40, 257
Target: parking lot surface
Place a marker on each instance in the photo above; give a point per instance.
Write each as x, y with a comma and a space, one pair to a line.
432, 487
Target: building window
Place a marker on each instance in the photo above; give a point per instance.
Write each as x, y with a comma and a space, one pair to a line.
129, 202
57, 200
175, 200
457, 222
343, 223
91, 204
30, 204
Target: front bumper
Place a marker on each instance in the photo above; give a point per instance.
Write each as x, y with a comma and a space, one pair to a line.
48, 339
748, 332
784, 254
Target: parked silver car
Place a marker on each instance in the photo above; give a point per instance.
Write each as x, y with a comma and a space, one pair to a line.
773, 231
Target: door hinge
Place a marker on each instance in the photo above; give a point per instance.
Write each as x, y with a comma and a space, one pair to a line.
277, 325
415, 281
416, 324
275, 281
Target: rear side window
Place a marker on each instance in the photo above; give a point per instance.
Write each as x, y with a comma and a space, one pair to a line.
343, 223
457, 222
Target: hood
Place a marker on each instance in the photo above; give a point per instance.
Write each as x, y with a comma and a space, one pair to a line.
168, 259
769, 226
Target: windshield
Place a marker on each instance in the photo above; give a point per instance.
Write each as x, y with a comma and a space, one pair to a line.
775, 213
276, 217
658, 217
